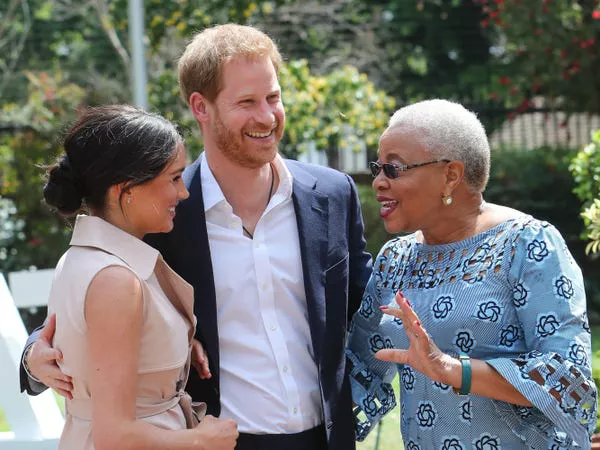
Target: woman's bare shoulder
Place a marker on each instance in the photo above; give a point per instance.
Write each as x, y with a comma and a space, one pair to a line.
116, 287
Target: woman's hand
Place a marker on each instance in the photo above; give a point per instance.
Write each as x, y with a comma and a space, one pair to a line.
216, 434
422, 353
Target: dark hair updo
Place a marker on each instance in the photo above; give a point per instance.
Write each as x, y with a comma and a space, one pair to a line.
109, 145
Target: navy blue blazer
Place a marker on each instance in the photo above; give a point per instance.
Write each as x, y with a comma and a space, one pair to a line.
335, 265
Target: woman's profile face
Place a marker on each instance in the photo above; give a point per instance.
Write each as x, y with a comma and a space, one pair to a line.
411, 201
152, 205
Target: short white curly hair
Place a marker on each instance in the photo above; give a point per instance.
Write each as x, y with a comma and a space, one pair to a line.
448, 131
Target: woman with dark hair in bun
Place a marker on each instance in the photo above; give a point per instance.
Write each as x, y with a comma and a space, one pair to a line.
124, 319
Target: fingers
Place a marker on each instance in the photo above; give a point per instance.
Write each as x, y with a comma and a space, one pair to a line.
63, 393
200, 360
393, 355
42, 363
407, 315
47, 333
61, 383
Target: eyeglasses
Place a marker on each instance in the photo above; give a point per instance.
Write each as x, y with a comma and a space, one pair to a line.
393, 171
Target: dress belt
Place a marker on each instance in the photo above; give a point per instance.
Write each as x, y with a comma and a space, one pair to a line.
82, 408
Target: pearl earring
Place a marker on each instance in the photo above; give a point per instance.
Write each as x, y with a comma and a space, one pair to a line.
129, 200
447, 200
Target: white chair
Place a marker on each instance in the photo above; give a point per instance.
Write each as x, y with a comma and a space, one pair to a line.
35, 422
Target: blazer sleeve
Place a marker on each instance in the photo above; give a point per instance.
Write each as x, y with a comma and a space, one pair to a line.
28, 384
359, 259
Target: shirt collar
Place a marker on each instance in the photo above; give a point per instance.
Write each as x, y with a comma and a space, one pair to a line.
92, 231
212, 193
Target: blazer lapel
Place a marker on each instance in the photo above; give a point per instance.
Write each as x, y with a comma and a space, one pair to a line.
312, 211
198, 267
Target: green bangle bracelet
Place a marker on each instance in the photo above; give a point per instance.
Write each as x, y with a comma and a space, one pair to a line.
465, 383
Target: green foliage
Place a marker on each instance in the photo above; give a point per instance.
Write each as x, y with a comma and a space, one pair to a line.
537, 182
585, 168
182, 17
414, 49
534, 36
591, 218
30, 235
342, 109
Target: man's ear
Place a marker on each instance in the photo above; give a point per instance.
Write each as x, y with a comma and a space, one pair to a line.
199, 107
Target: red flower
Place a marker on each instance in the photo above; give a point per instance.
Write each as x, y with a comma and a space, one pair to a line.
484, 23
504, 81
596, 15
34, 242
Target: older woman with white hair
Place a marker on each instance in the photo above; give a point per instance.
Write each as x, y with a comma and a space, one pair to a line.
480, 308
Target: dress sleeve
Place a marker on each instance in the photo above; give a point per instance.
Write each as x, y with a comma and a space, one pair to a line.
555, 374
370, 378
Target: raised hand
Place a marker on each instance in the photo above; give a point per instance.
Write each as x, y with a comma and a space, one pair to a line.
42, 361
422, 354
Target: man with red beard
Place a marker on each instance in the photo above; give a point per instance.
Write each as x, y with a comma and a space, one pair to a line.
275, 251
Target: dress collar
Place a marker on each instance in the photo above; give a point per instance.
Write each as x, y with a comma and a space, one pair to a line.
92, 231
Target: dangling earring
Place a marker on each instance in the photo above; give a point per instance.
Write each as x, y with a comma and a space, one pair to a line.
447, 199
129, 200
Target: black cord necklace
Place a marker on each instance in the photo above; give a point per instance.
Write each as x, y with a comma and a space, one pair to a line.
250, 235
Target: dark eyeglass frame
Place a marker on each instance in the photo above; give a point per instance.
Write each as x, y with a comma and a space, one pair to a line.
393, 171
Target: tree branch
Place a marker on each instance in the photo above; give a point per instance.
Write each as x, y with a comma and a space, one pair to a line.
109, 29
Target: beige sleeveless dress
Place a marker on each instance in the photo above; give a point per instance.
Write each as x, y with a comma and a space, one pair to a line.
168, 327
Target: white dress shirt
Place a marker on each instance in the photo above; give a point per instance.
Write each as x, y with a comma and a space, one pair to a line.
269, 380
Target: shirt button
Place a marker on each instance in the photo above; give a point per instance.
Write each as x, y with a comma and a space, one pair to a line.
295, 410
285, 369
273, 327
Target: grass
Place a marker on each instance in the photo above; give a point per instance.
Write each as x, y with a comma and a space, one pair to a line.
389, 437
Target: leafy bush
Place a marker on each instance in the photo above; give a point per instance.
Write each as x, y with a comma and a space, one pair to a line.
30, 234
585, 168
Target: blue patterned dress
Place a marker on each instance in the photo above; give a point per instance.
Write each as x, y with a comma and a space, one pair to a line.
512, 296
